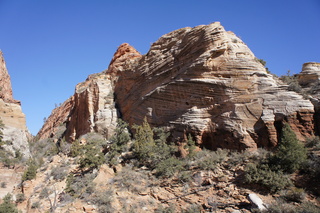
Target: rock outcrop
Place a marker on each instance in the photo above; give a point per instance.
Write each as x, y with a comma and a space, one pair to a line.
309, 80
202, 81
92, 107
15, 130
310, 73
206, 81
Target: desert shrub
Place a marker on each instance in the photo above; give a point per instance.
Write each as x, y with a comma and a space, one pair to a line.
168, 209
263, 62
65, 147
44, 193
190, 146
90, 154
209, 160
80, 186
7, 206
293, 194
9, 159
290, 153
313, 142
76, 149
20, 198
261, 174
103, 199
193, 208
31, 171
185, 176
3, 184
92, 157
169, 167
59, 172
281, 206
309, 207
35, 205
134, 181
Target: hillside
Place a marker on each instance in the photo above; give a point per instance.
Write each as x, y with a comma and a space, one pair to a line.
197, 124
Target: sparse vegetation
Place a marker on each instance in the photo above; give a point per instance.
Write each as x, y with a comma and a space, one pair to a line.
20, 198
80, 185
7, 206
31, 171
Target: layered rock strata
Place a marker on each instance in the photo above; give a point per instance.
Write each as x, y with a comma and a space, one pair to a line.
92, 107
15, 130
309, 79
206, 81
202, 81
310, 73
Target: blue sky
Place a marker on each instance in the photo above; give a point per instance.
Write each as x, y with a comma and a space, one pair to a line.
50, 46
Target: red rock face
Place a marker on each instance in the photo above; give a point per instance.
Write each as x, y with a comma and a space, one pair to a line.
5, 83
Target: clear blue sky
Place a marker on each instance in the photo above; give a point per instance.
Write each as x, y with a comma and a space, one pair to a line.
50, 46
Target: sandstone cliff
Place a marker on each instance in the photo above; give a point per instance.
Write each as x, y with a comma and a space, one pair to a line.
15, 130
203, 80
207, 82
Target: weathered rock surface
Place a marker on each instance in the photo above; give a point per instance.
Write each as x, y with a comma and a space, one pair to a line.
15, 129
310, 73
207, 82
202, 80
309, 79
92, 107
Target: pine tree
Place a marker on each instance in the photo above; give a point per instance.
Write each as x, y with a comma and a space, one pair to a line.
290, 153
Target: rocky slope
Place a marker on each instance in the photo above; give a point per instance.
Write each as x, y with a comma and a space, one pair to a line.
15, 129
202, 81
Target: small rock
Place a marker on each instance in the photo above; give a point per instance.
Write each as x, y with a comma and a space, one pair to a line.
256, 201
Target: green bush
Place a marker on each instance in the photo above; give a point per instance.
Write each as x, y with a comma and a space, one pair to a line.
31, 171
150, 145
262, 175
92, 158
293, 195
290, 153
80, 186
209, 160
119, 142
7, 206
20, 198
169, 167
313, 142
281, 206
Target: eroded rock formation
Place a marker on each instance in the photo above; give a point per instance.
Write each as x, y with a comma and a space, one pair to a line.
203, 80
309, 79
207, 82
15, 129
